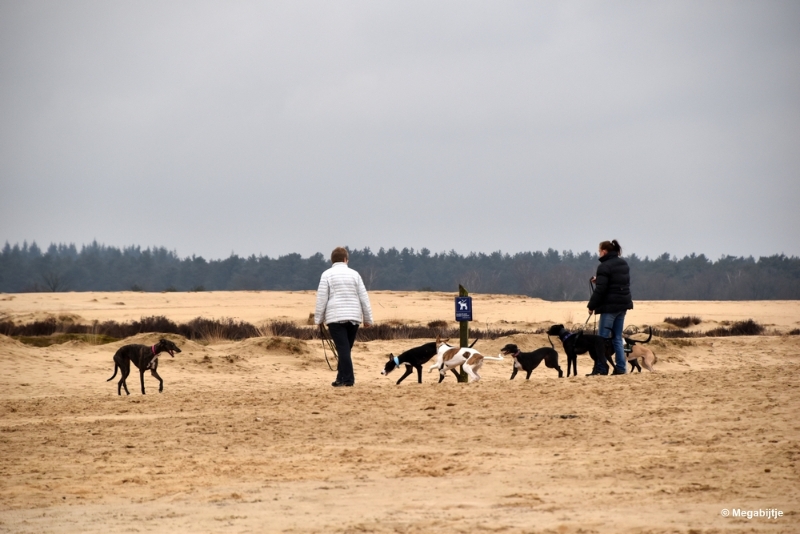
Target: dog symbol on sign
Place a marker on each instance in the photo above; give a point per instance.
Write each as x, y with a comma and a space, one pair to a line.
463, 308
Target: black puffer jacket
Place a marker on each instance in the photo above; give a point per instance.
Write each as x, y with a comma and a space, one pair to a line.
612, 294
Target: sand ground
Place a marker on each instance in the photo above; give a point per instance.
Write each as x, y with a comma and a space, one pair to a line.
250, 437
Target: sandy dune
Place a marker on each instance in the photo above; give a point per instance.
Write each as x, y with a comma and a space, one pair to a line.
250, 437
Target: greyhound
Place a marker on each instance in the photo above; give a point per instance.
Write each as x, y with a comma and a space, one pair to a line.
413, 359
144, 358
448, 357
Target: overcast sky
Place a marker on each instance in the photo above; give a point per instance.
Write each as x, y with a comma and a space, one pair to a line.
269, 127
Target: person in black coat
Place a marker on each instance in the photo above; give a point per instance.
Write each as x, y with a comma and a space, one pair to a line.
612, 299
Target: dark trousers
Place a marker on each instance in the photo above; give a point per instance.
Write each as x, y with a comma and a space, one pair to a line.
344, 336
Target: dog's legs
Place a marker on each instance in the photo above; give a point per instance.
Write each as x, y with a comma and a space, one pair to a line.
635, 365
514, 372
472, 374
419, 374
553, 364
572, 361
124, 371
409, 370
528, 375
160, 382
141, 377
443, 373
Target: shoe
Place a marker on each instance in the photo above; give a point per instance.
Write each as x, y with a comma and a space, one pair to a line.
341, 384
619, 372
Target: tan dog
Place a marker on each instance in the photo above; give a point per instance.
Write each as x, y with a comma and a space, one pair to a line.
449, 357
643, 354
634, 351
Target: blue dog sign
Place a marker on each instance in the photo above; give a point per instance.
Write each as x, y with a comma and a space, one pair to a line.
463, 308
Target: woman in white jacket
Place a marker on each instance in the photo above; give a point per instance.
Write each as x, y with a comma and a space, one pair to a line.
342, 304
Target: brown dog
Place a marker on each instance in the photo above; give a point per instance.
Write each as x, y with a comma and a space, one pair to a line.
634, 351
647, 357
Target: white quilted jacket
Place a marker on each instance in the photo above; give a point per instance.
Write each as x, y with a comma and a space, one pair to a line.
341, 296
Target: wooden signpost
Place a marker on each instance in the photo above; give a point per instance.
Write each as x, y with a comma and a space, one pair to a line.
463, 316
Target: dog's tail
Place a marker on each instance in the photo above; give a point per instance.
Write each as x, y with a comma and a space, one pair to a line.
648, 337
551, 341
495, 358
116, 366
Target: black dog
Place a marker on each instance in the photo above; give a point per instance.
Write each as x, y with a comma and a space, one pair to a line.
413, 359
528, 361
144, 358
579, 343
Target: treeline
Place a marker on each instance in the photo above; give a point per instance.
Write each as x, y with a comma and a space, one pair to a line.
548, 275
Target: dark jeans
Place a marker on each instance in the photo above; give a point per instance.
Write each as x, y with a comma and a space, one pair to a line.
344, 336
611, 325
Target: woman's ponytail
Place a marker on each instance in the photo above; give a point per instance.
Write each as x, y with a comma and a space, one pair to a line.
611, 246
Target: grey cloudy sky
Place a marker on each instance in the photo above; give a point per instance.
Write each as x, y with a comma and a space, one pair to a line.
276, 127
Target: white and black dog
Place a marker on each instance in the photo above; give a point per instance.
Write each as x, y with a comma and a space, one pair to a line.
528, 361
144, 358
449, 357
412, 359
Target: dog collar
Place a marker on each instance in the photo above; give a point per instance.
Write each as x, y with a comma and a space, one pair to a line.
517, 354
396, 361
569, 335
153, 348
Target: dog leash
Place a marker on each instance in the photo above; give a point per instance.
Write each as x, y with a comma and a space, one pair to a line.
591, 288
326, 340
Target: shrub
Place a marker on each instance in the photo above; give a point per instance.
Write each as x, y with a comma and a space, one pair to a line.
739, 328
210, 329
56, 339
289, 329
670, 333
230, 329
37, 328
683, 322
6, 328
